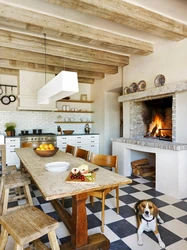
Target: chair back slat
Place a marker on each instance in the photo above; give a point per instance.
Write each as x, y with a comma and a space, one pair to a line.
110, 161
70, 149
82, 153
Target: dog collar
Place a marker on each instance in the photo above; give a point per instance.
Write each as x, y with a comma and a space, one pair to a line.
147, 220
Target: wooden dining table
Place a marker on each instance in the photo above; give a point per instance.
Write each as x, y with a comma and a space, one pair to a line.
53, 188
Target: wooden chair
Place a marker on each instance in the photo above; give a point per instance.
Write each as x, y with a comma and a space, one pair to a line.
70, 149
12, 181
28, 225
5, 169
82, 153
109, 162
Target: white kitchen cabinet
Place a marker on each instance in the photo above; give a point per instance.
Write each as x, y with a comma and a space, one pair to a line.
11, 156
88, 142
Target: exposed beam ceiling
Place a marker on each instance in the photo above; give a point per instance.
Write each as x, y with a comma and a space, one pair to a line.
15, 64
58, 27
39, 45
129, 15
27, 56
89, 50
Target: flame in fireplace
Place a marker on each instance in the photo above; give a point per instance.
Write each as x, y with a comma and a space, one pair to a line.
155, 125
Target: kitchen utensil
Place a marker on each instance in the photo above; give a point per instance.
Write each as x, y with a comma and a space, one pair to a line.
5, 98
60, 166
46, 153
24, 132
1, 90
68, 132
12, 97
94, 170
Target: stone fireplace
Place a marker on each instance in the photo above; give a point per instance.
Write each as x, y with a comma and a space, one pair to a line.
167, 105
155, 118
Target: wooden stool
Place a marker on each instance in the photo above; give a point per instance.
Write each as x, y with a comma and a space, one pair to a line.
12, 181
28, 225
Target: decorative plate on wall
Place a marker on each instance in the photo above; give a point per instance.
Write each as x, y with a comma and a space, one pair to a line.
133, 87
159, 80
141, 85
126, 90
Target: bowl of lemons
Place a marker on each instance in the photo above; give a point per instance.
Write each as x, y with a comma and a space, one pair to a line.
46, 150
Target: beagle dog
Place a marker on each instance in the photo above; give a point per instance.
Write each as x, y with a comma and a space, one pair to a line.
147, 215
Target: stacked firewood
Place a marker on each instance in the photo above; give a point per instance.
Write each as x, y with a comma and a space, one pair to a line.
142, 168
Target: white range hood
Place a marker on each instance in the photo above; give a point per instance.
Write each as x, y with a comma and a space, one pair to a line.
62, 85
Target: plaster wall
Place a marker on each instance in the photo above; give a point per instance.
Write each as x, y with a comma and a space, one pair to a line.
168, 59
101, 105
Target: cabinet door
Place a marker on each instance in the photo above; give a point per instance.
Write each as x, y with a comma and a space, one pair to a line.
94, 148
11, 157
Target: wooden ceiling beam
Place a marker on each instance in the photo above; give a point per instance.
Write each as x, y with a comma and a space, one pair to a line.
130, 15
25, 42
21, 65
27, 20
27, 56
6, 71
85, 80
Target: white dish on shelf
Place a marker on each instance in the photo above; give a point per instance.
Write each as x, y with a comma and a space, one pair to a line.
60, 166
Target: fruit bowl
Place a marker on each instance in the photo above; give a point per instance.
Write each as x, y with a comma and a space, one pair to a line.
68, 132
46, 153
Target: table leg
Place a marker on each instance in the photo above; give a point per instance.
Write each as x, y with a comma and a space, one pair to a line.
79, 228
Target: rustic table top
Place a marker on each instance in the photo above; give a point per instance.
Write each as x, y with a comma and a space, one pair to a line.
52, 184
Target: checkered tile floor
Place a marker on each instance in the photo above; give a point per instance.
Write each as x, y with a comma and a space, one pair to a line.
121, 229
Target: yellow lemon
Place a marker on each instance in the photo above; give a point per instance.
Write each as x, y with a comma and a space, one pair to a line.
46, 147
37, 148
51, 146
41, 146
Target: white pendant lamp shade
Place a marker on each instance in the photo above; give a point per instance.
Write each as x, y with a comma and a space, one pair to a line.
62, 85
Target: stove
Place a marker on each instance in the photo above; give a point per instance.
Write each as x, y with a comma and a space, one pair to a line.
33, 140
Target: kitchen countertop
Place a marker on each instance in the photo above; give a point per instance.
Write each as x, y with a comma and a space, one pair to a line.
79, 134
18, 136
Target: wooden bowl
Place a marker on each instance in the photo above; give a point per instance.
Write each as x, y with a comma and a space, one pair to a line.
46, 153
68, 132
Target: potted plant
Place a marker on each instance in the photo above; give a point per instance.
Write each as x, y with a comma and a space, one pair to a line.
10, 128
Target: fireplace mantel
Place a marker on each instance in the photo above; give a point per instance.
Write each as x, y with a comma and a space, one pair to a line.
156, 92
155, 143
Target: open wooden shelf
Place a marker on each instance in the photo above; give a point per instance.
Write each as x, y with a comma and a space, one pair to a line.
62, 111
74, 122
64, 100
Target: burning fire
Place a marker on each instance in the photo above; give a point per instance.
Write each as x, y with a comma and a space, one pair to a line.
155, 125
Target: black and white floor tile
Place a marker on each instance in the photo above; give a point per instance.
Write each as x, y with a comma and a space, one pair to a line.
121, 228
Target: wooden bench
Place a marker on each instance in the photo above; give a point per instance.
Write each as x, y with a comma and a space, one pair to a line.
28, 225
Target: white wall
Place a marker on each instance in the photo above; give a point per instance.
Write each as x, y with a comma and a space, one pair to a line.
112, 120
168, 59
9, 80
98, 94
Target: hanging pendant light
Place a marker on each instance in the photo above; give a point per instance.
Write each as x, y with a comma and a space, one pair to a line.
62, 85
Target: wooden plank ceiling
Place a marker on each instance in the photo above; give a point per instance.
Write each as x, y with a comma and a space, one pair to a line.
31, 51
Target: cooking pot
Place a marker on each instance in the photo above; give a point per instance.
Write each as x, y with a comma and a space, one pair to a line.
1, 90
24, 132
37, 131
5, 98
